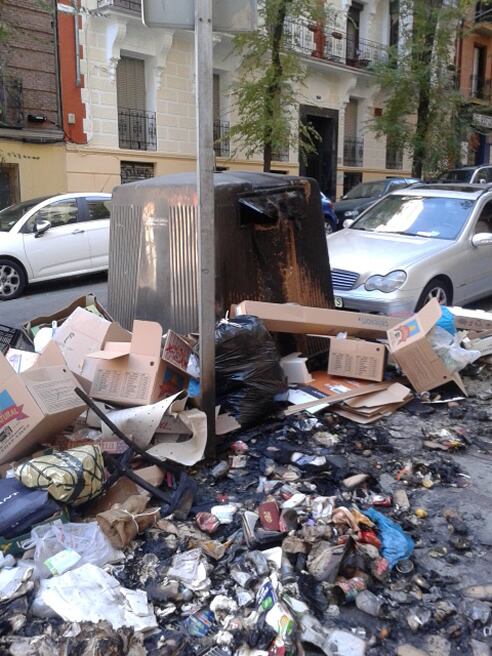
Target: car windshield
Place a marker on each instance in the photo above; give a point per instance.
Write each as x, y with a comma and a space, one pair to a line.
458, 175
366, 190
10, 215
417, 216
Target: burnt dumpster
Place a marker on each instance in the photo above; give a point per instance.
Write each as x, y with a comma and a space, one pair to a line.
270, 246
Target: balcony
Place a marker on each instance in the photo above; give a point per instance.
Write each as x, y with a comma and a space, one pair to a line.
127, 6
394, 158
480, 89
11, 114
137, 129
331, 45
353, 152
222, 145
483, 17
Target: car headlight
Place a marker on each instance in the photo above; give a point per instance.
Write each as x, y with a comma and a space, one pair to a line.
389, 283
351, 213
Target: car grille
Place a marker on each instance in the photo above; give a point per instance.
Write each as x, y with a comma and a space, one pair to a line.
343, 280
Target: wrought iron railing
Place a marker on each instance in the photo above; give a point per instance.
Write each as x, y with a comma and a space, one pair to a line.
134, 6
331, 44
480, 88
137, 129
394, 157
11, 106
280, 155
353, 152
483, 12
222, 144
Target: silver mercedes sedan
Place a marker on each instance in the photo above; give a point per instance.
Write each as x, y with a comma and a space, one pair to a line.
427, 241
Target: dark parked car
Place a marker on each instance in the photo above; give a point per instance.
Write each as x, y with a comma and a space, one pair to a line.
468, 174
365, 194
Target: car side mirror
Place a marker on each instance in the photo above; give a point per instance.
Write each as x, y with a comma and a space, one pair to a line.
41, 228
482, 239
347, 223
482, 181
344, 197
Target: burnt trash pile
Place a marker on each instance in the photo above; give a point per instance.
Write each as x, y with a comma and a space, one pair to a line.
319, 527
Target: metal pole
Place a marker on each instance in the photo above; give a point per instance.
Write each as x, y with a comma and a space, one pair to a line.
206, 231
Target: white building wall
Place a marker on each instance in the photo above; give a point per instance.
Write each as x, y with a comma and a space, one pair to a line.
169, 58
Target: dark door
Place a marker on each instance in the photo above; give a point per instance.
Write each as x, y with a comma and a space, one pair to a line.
322, 164
9, 185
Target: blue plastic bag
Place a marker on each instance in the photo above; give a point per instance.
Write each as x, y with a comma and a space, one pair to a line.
447, 321
397, 545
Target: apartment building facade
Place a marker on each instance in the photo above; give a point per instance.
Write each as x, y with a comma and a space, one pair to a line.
32, 151
133, 97
474, 66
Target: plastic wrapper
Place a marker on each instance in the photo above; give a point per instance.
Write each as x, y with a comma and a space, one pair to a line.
248, 370
397, 545
87, 540
448, 348
72, 476
447, 321
22, 508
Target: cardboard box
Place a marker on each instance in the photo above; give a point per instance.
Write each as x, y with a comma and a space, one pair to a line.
298, 319
472, 319
130, 374
89, 302
356, 358
413, 352
82, 333
35, 404
178, 353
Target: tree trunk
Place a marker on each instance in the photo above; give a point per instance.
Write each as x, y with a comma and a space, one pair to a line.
424, 10
272, 95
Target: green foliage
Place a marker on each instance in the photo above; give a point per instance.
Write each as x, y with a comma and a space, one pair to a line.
424, 110
266, 93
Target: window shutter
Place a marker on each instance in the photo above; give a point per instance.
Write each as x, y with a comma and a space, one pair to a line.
130, 80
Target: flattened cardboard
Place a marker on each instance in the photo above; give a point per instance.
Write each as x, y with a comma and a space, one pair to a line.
414, 354
333, 399
83, 333
130, 374
298, 319
472, 319
36, 404
356, 359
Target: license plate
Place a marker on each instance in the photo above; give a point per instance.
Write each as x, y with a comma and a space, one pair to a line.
338, 302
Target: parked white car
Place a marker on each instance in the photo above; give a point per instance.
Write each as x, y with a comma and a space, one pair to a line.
53, 237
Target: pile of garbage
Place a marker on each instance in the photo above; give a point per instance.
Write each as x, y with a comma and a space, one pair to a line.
309, 532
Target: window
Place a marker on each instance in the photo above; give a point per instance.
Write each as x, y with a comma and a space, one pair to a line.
133, 171
58, 214
393, 186
484, 223
394, 11
98, 209
130, 83
484, 175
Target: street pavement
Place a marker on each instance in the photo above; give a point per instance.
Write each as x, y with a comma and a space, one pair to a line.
46, 298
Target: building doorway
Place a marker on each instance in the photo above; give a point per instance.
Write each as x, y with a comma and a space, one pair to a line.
322, 164
9, 185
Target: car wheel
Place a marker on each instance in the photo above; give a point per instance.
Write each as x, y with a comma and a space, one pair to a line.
440, 289
12, 280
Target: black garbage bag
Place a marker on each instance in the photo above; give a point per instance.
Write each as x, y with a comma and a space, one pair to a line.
248, 371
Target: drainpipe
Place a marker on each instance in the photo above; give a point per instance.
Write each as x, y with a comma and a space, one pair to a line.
59, 102
77, 42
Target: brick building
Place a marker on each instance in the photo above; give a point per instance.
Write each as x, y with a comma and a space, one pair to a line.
474, 65
31, 137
